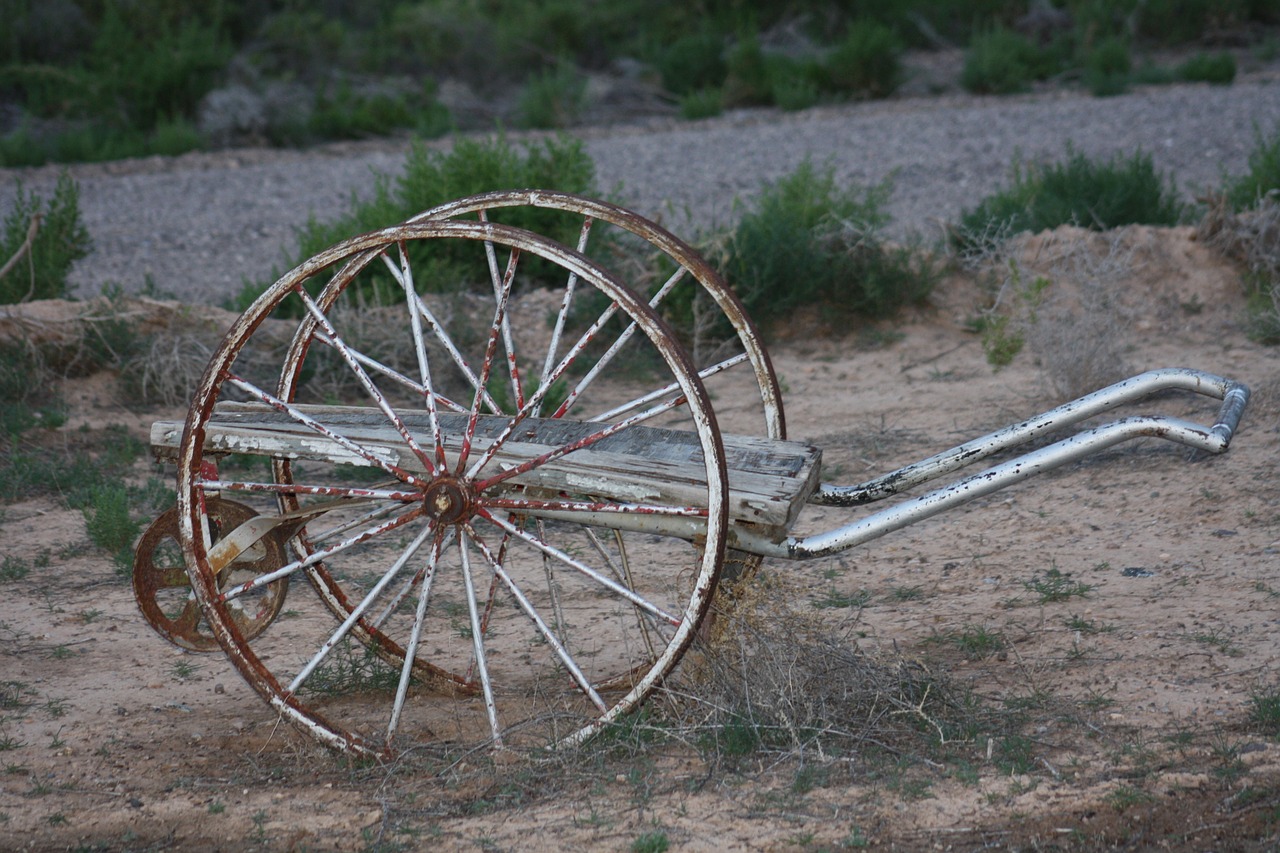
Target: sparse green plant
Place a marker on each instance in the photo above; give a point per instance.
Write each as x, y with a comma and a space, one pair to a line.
553, 98
1263, 176
865, 63
1264, 710
40, 243
807, 242
1125, 797
1107, 67
110, 526
651, 842
907, 593
834, 599
701, 103
1001, 62
974, 641
1055, 586
13, 569
1216, 68
184, 669
1217, 638
1077, 191
217, 807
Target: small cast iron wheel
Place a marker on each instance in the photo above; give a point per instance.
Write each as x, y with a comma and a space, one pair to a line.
163, 590
458, 539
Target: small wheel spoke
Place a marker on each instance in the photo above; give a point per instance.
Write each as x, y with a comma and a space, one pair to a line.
394, 375
581, 567
359, 609
536, 505
615, 348
566, 302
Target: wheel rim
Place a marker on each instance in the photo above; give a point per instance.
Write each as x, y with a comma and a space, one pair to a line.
494, 588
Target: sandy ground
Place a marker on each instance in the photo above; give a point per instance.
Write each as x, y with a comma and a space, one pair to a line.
1140, 689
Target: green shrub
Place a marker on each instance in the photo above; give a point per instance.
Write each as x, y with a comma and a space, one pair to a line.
1077, 191
109, 524
60, 240
807, 242
692, 63
552, 98
866, 63
704, 103
432, 177
1216, 68
1000, 62
747, 80
1264, 172
1107, 67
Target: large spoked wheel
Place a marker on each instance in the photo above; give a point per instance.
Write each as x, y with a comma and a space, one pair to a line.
438, 441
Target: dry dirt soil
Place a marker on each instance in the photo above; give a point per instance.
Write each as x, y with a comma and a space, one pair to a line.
1136, 685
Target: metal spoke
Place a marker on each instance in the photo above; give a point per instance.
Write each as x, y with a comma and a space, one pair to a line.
303, 489
477, 639
584, 442
566, 302
405, 276
359, 609
490, 350
665, 390
616, 347
393, 374
426, 573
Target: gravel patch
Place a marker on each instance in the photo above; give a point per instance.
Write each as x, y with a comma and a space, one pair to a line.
199, 226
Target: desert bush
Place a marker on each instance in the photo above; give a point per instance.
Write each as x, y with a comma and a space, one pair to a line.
866, 63
1000, 62
58, 238
432, 177
1107, 67
807, 242
774, 679
703, 103
693, 62
1216, 68
1060, 299
553, 98
1251, 238
1263, 176
1077, 191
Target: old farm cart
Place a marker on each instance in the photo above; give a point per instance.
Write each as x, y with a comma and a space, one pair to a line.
517, 532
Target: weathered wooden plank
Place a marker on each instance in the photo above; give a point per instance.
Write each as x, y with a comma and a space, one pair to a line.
769, 481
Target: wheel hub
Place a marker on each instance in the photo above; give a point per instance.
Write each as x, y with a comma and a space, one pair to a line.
449, 500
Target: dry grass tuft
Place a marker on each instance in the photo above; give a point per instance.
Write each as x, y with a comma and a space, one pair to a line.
778, 679
1251, 238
